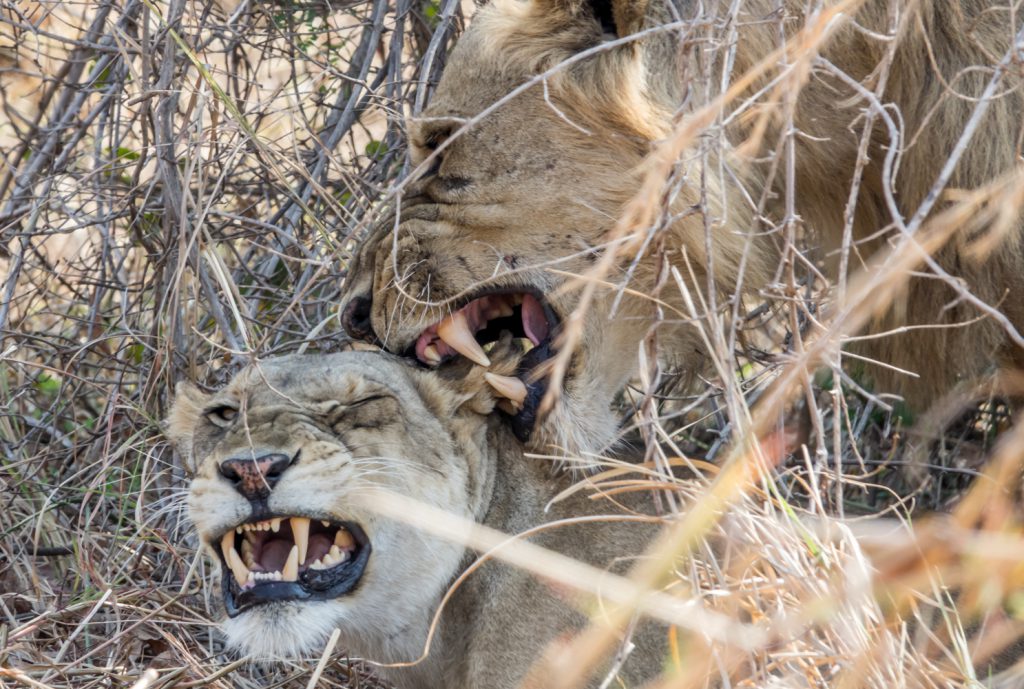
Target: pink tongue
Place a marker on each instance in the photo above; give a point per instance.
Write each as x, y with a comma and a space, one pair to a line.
534, 322
274, 554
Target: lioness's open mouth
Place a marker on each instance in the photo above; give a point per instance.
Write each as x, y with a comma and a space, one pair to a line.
473, 329
291, 558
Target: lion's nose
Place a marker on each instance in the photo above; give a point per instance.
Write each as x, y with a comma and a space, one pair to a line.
254, 477
356, 318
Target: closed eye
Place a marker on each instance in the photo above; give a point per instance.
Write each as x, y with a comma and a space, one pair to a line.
372, 411
366, 400
336, 408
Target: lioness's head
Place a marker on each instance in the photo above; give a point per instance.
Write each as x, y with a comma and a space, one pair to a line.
285, 459
519, 188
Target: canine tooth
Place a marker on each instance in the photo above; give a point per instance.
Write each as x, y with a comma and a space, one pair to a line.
454, 330
290, 571
507, 386
248, 556
237, 567
300, 534
431, 354
343, 539
275, 524
227, 543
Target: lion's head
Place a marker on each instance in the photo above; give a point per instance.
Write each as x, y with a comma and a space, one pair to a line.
285, 458
530, 149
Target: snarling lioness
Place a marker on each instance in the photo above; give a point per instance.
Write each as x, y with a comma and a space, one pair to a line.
526, 166
288, 461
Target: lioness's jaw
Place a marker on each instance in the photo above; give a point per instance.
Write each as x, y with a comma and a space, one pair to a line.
290, 559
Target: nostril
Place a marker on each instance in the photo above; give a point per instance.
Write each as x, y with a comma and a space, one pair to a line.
277, 468
228, 471
254, 477
356, 318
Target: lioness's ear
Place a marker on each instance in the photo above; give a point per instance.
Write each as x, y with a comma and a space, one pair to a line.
618, 17
181, 420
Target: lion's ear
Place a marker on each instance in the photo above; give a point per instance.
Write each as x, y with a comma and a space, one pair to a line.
618, 17
181, 420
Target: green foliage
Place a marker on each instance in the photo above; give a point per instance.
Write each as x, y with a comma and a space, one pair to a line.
376, 149
48, 384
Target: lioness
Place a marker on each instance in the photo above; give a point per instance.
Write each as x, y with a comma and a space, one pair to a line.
520, 196
286, 459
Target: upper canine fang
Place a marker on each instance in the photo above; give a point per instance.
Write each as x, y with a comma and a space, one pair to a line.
456, 333
300, 534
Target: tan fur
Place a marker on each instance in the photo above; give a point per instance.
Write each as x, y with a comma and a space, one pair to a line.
367, 421
529, 192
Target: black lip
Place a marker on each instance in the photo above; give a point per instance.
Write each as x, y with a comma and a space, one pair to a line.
313, 584
524, 421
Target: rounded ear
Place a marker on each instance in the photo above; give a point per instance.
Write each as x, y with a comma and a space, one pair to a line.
618, 17
181, 420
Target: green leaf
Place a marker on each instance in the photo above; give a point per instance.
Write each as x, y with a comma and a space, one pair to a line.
376, 149
47, 384
127, 153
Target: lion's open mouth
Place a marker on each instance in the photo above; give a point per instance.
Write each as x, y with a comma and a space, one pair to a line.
291, 558
473, 329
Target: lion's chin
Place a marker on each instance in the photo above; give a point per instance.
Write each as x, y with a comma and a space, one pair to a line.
277, 631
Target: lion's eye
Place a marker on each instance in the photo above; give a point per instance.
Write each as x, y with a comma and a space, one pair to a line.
222, 416
431, 136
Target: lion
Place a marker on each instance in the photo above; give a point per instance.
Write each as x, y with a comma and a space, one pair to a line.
287, 461
525, 168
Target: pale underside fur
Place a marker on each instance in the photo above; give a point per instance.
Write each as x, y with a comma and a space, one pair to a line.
528, 194
408, 431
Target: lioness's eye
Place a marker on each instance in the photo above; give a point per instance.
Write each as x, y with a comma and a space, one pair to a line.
365, 400
222, 416
337, 408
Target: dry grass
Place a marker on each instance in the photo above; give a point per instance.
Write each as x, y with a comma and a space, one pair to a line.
183, 184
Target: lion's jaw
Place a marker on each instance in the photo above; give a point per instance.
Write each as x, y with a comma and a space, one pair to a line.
523, 200
369, 424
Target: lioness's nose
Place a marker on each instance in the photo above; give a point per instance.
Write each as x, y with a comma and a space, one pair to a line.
254, 477
356, 318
